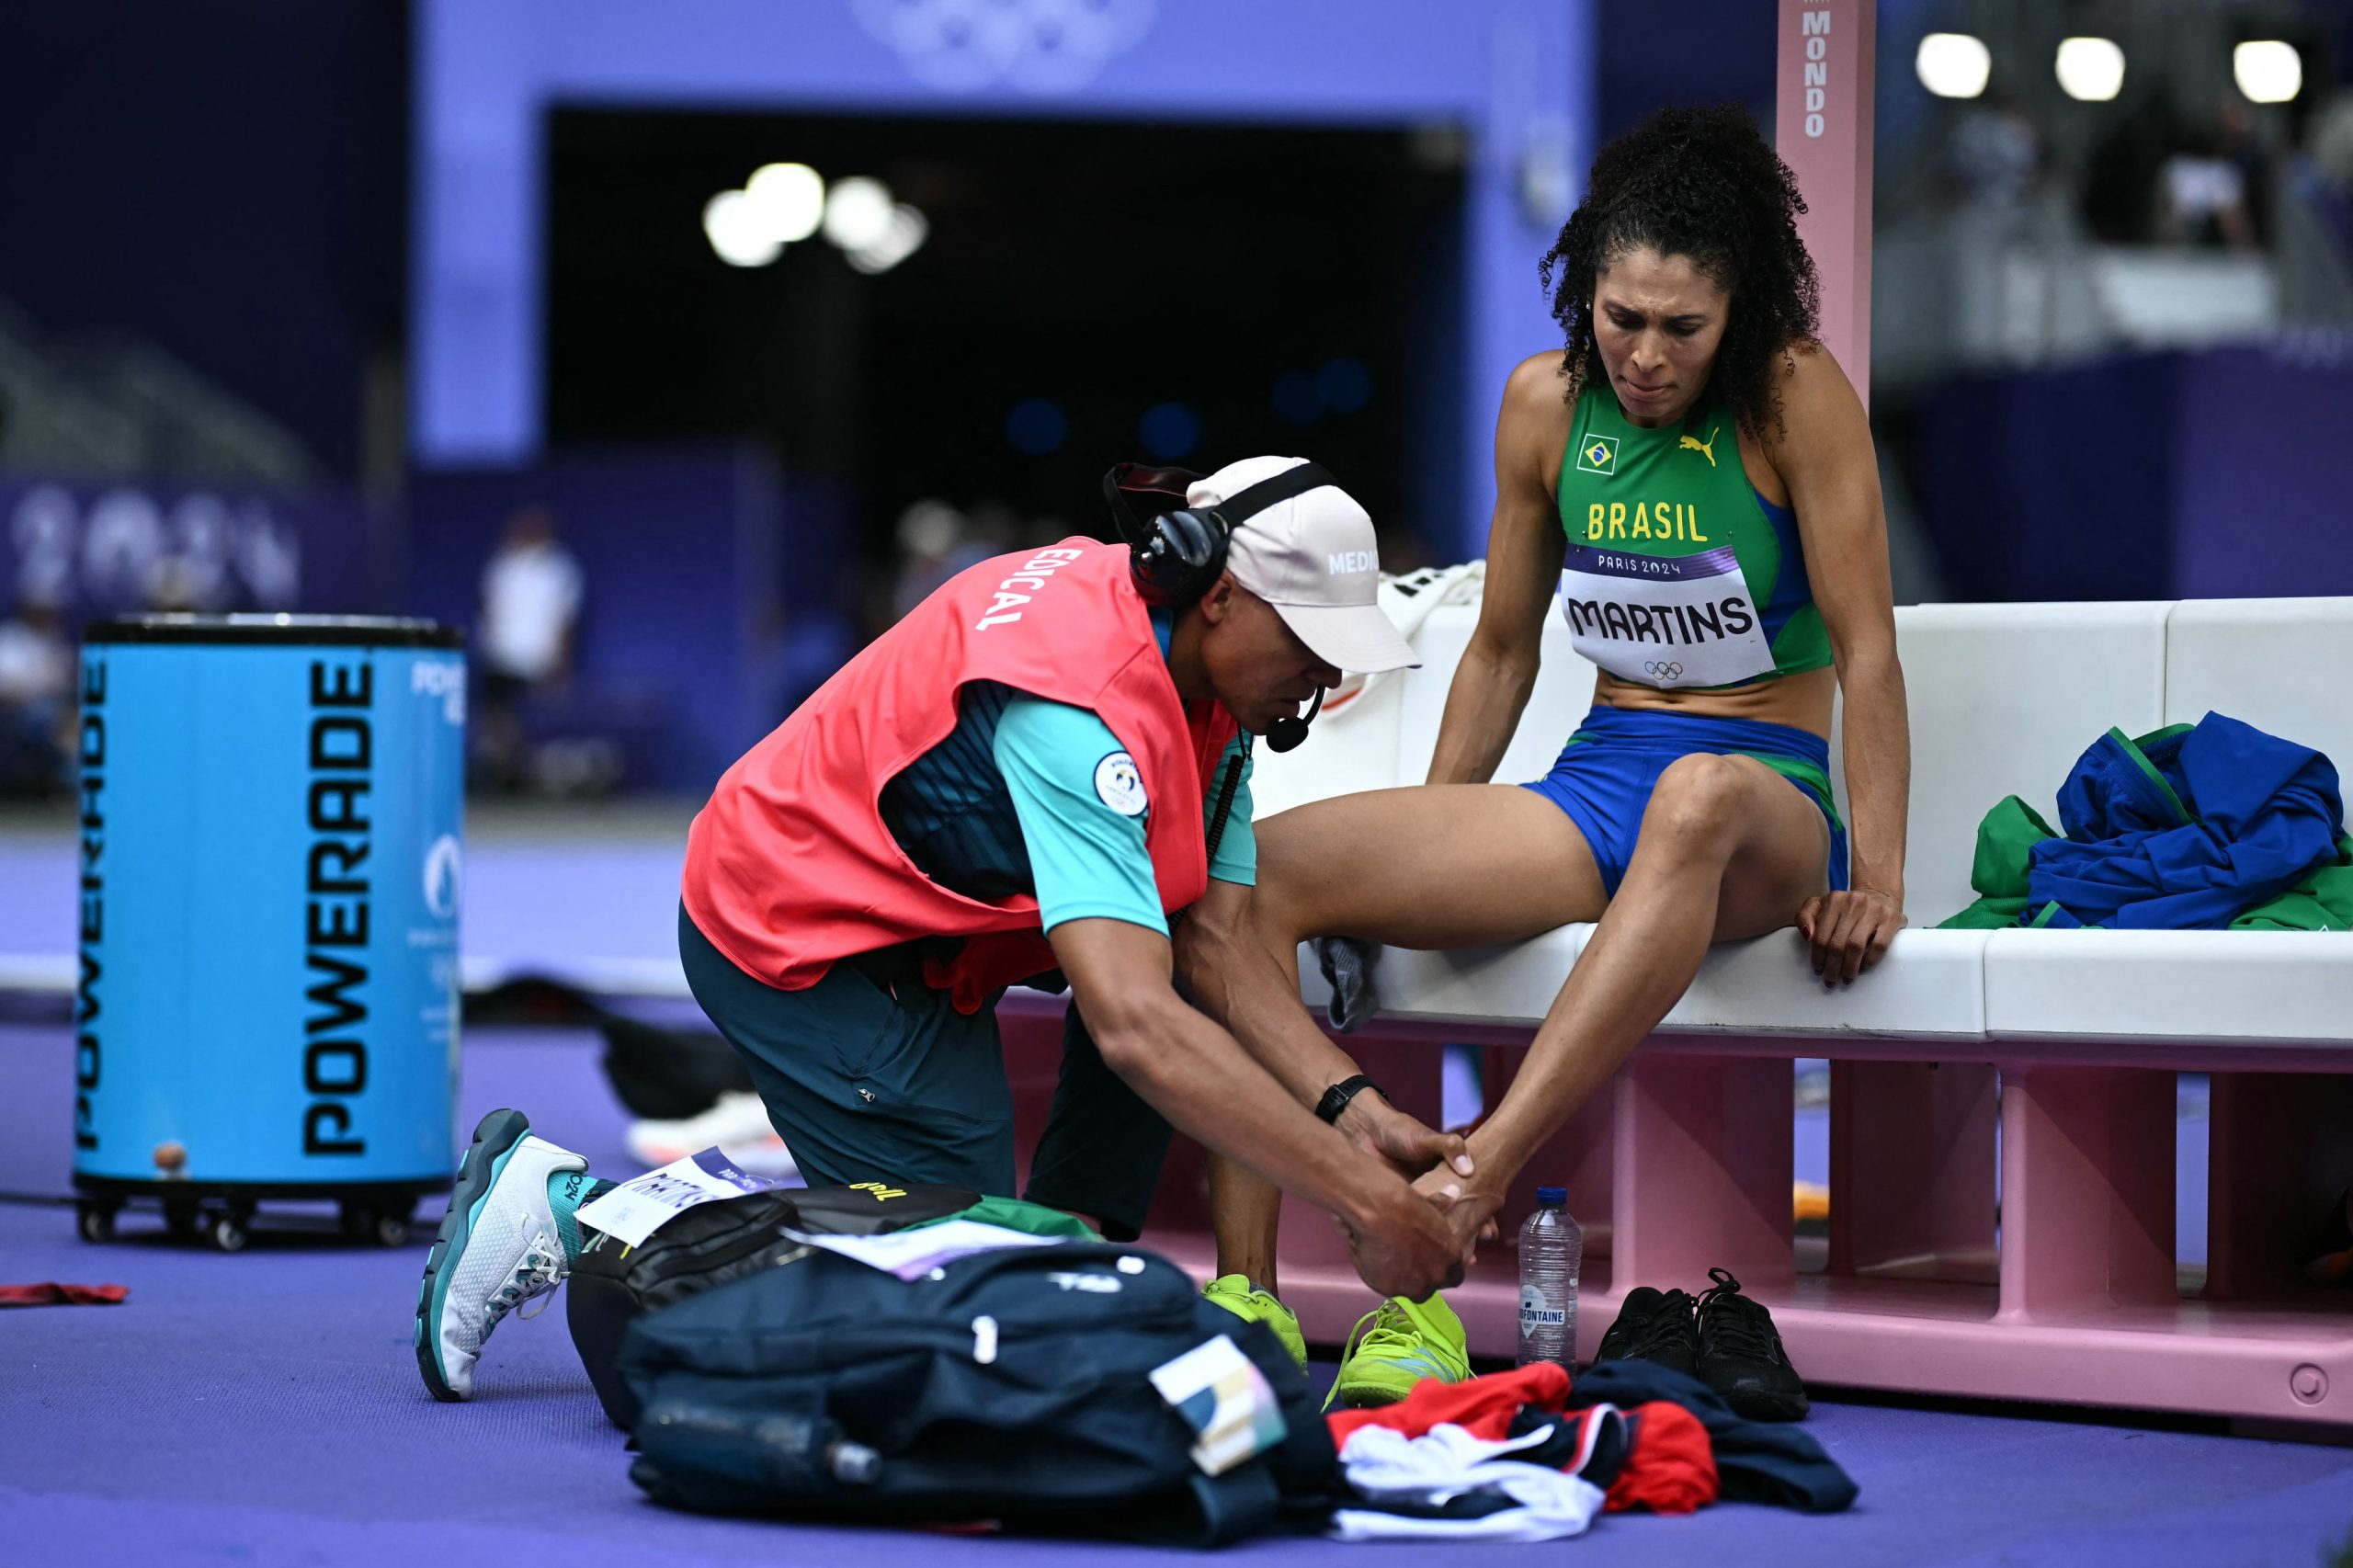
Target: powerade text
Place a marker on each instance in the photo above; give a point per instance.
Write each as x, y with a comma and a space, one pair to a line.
335, 913
92, 752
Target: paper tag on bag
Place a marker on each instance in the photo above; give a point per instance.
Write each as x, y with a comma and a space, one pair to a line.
1223, 1397
642, 1205
911, 1253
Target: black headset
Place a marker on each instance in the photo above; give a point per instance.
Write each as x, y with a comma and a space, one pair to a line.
1176, 553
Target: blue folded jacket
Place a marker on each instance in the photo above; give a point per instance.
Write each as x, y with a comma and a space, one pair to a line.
2184, 828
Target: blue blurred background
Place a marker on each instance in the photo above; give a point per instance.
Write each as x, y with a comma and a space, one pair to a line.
673, 350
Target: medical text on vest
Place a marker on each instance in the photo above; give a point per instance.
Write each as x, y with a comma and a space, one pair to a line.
1032, 578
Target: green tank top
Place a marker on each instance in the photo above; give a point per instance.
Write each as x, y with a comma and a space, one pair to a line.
1678, 573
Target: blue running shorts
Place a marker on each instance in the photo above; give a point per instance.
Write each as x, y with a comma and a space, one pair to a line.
1604, 774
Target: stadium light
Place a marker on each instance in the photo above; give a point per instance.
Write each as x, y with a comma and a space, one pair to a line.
783, 204
788, 200
732, 224
2091, 70
1953, 66
902, 238
2268, 71
857, 213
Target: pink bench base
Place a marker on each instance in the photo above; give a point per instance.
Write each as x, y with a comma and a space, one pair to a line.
2074, 1299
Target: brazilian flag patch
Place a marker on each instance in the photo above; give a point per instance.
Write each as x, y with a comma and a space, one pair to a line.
1598, 454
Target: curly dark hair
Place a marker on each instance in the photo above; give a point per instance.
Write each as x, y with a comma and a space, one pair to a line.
1698, 183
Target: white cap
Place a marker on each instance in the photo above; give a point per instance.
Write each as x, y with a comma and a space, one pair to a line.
1313, 557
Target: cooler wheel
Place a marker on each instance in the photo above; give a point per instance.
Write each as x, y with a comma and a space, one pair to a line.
387, 1227
225, 1228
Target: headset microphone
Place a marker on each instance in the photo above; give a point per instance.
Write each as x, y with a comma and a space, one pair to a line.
1285, 733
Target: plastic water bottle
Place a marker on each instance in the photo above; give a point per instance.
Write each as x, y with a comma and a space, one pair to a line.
1552, 1250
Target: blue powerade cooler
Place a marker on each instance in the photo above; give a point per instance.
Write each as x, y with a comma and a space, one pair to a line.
271, 857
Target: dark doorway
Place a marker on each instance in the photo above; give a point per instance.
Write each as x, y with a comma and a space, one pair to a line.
1286, 289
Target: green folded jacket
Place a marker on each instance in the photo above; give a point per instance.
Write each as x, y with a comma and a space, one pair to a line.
2005, 841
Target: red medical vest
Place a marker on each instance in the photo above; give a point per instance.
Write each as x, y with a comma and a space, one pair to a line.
791, 869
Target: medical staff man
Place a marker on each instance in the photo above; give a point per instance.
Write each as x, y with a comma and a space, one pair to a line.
1039, 770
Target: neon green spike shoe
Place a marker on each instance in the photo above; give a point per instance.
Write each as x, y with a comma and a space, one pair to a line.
1402, 1342
1237, 1295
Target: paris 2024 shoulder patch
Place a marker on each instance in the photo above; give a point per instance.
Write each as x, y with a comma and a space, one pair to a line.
1119, 785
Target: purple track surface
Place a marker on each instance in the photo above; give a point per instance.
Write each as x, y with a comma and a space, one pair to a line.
265, 1408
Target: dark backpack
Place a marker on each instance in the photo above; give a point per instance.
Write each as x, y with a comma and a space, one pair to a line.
612, 1285
1011, 1386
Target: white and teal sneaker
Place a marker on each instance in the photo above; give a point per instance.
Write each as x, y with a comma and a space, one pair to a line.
498, 1247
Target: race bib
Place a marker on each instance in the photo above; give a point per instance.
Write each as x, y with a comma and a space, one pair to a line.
1664, 621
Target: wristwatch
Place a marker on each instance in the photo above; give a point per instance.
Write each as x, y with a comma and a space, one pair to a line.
1336, 1098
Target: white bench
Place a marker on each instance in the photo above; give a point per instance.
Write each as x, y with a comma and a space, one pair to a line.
1686, 1162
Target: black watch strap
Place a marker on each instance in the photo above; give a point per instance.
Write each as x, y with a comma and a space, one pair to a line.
1336, 1098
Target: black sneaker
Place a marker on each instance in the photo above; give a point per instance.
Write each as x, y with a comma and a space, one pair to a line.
1741, 1355
1654, 1325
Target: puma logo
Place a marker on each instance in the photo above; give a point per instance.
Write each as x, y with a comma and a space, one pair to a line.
1705, 449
